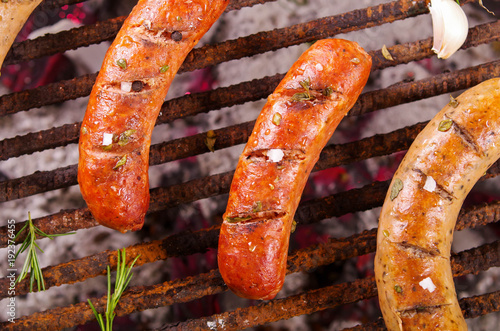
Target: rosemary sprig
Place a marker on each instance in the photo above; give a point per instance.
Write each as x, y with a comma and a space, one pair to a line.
123, 277
31, 264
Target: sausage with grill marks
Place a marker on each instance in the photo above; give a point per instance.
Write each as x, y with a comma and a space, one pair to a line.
291, 130
125, 101
412, 263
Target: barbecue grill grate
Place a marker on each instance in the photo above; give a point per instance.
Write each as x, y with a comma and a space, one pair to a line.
321, 253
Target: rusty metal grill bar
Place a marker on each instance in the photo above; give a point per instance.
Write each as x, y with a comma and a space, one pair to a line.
184, 290
86, 35
187, 243
193, 104
332, 296
246, 46
102, 31
167, 197
472, 307
184, 147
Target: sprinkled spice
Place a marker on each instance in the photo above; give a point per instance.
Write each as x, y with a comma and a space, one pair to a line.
386, 54
176, 36
210, 140
445, 125
386, 233
84, 130
107, 148
178, 18
294, 226
120, 162
453, 102
396, 188
257, 206
124, 138
276, 119
306, 84
398, 289
122, 63
271, 186
304, 96
327, 91
137, 86
164, 68
355, 60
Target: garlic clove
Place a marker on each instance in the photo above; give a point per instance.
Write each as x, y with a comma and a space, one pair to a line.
450, 27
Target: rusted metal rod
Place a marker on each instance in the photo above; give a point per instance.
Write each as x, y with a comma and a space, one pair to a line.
96, 33
329, 297
167, 197
250, 91
472, 307
184, 147
146, 297
213, 54
186, 243
107, 30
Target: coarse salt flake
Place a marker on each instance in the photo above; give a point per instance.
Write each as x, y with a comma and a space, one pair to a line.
275, 155
126, 86
427, 284
107, 139
430, 184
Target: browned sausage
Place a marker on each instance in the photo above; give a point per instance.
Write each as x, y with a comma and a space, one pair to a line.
125, 101
412, 263
292, 129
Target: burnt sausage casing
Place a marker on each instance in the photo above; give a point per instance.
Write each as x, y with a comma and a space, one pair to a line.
125, 101
290, 132
412, 263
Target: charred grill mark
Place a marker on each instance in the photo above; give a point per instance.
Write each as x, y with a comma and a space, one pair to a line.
421, 309
417, 251
254, 217
467, 138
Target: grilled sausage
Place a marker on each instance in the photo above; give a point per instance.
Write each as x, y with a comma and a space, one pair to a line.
291, 130
125, 101
412, 263
13, 16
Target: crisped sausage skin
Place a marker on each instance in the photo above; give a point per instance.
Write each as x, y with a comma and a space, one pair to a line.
290, 132
125, 101
412, 263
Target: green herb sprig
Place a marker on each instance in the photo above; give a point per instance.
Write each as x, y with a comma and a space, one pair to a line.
32, 264
123, 277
